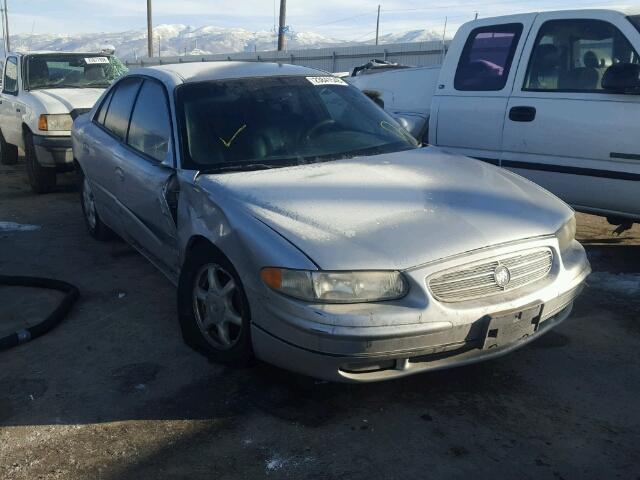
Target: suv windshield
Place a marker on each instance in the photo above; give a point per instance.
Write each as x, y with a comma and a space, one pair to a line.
276, 121
72, 71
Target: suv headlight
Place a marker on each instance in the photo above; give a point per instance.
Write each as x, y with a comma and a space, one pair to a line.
336, 287
59, 122
567, 234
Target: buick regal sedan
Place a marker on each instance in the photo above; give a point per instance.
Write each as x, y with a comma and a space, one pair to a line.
303, 226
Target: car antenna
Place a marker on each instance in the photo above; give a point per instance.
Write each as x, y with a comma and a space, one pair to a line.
33, 27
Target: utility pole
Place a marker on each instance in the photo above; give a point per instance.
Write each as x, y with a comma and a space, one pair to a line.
476, 16
378, 26
149, 30
283, 24
7, 45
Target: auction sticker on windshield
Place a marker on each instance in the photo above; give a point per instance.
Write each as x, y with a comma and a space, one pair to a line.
320, 81
96, 60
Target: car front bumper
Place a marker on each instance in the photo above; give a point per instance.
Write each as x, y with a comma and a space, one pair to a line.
379, 341
53, 151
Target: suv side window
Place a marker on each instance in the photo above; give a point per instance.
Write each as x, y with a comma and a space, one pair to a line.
10, 83
150, 127
487, 56
572, 55
119, 112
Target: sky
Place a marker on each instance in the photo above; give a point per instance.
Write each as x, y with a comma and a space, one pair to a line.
342, 19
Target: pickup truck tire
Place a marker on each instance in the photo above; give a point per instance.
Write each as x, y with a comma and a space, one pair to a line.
41, 179
8, 153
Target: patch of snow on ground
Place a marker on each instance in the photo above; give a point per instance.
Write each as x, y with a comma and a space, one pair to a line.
622, 283
275, 464
17, 227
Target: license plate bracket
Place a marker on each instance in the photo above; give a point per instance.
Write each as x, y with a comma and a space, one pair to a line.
506, 328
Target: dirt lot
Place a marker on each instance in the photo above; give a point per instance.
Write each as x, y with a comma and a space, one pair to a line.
114, 393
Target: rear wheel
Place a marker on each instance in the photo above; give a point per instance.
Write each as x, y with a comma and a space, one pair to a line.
8, 153
213, 308
97, 229
42, 179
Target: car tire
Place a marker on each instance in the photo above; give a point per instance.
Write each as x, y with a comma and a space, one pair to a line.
8, 153
226, 301
95, 225
42, 179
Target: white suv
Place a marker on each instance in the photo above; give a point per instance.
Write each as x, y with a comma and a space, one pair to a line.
42, 93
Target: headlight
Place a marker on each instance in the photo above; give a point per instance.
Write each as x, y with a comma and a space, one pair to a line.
336, 287
567, 234
55, 123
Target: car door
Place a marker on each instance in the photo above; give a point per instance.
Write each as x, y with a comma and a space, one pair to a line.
104, 152
474, 87
146, 178
562, 129
10, 120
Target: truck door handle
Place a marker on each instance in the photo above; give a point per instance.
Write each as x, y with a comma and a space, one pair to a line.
120, 173
522, 114
18, 110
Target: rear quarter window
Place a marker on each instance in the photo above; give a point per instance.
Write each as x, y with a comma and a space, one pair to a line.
487, 56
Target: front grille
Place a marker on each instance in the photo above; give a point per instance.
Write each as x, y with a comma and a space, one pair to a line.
479, 280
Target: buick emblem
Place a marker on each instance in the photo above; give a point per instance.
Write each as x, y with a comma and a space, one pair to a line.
502, 276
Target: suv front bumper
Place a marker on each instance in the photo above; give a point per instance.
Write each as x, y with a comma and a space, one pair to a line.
53, 151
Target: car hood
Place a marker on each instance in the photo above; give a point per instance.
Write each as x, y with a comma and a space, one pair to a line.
64, 100
393, 211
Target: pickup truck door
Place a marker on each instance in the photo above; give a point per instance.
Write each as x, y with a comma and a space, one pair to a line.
469, 105
562, 129
10, 115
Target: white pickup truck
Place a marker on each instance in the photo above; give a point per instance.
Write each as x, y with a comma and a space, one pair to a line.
553, 96
42, 93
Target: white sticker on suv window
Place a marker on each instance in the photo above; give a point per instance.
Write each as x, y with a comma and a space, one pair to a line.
95, 60
320, 81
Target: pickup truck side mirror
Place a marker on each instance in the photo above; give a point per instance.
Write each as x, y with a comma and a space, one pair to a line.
622, 78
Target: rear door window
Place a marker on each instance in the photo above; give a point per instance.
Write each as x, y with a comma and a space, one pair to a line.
104, 106
572, 55
487, 57
150, 129
117, 117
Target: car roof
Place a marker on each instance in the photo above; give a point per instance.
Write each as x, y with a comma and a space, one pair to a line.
189, 72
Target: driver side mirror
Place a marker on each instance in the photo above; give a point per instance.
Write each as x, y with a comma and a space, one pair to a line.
622, 78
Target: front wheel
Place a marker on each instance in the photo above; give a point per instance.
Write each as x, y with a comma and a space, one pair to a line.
213, 308
42, 179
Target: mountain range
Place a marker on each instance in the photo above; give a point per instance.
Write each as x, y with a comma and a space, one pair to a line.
177, 39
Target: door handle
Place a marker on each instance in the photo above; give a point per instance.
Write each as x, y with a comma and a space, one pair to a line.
18, 110
120, 173
522, 114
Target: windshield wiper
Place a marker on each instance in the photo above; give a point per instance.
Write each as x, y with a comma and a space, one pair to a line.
241, 167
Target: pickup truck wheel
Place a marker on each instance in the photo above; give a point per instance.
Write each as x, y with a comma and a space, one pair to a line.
8, 153
97, 229
213, 308
41, 179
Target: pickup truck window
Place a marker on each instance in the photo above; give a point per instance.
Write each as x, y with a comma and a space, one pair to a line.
572, 55
150, 128
117, 118
71, 71
486, 58
11, 76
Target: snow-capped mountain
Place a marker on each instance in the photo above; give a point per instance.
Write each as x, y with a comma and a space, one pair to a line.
178, 39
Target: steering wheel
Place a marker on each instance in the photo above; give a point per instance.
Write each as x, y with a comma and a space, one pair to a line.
323, 123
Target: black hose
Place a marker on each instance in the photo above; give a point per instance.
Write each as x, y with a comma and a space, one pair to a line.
53, 319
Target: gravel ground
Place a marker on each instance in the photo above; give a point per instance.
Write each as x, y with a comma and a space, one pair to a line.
113, 393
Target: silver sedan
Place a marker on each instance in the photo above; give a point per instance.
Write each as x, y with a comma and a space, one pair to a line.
303, 226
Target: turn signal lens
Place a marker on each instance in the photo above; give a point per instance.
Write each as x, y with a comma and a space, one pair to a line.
336, 287
42, 123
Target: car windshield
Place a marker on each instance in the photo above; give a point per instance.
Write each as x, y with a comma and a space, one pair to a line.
277, 121
635, 19
72, 71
